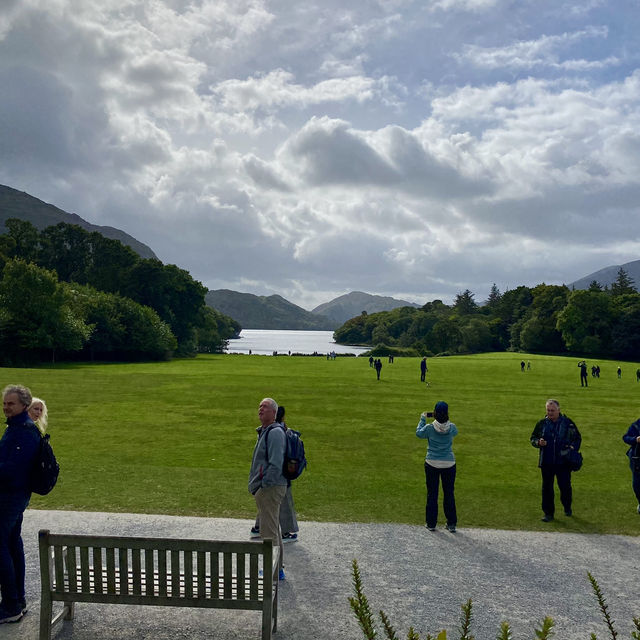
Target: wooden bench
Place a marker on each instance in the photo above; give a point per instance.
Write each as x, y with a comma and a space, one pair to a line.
157, 571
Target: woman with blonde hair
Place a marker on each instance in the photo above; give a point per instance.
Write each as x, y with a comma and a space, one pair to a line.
38, 413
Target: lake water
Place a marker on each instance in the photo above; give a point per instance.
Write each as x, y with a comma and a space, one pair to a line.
266, 341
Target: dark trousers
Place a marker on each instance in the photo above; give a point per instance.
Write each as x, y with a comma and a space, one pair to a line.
11, 561
433, 477
584, 380
563, 476
422, 375
635, 482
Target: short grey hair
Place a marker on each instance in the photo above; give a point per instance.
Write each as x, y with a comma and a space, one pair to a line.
23, 393
552, 401
272, 402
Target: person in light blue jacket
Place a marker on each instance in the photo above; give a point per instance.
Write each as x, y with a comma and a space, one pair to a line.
439, 464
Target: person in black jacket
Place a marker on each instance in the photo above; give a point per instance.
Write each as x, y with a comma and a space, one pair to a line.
18, 447
555, 435
632, 438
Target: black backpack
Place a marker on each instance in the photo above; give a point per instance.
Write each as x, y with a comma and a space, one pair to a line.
45, 468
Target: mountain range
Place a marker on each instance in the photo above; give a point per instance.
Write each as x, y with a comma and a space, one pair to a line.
608, 275
274, 312
18, 204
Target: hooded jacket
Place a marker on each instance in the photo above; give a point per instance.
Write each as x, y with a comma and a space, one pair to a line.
440, 437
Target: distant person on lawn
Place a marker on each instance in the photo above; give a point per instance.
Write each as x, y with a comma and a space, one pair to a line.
439, 464
554, 435
584, 382
378, 367
288, 520
18, 447
266, 482
423, 369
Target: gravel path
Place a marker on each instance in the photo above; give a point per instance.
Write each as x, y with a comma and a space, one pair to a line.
417, 577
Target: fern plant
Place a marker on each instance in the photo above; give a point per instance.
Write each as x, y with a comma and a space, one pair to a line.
362, 610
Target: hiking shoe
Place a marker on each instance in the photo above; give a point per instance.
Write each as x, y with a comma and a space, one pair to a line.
430, 528
547, 518
10, 616
281, 575
451, 527
289, 537
255, 532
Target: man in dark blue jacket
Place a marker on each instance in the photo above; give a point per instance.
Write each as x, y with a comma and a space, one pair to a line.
555, 435
18, 447
632, 438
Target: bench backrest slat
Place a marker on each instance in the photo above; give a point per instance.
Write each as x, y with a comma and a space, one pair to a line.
201, 562
123, 564
150, 584
253, 582
175, 572
240, 572
162, 572
70, 558
97, 570
136, 571
188, 574
214, 571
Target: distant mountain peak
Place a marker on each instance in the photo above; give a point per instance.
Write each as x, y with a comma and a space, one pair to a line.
608, 275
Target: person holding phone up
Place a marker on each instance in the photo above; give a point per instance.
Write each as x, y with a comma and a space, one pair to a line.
439, 464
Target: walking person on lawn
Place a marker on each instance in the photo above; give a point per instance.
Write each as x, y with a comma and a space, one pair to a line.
555, 435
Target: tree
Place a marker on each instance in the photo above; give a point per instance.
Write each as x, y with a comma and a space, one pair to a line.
586, 322
493, 301
464, 303
623, 284
594, 285
25, 239
37, 313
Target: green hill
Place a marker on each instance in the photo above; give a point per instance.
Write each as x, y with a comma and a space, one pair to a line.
265, 312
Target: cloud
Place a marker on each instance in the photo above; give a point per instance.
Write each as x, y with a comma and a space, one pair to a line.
389, 146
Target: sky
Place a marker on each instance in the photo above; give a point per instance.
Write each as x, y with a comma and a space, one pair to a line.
406, 148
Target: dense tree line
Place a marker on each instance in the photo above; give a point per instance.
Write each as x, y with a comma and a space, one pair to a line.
66, 292
542, 319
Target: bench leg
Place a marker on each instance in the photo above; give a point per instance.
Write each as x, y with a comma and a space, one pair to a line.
275, 607
267, 619
69, 610
46, 610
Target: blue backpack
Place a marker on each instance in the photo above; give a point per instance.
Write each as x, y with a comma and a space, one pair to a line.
295, 460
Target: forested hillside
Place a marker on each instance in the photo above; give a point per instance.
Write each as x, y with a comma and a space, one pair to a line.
542, 319
69, 293
266, 312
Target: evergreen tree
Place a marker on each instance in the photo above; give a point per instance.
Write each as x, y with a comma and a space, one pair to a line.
623, 284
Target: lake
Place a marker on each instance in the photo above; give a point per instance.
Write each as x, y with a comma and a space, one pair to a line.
266, 341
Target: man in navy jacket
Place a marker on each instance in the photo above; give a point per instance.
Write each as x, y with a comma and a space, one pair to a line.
18, 447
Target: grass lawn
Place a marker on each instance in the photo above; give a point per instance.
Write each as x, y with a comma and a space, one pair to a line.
177, 437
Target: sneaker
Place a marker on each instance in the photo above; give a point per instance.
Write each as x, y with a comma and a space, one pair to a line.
281, 575
430, 528
289, 537
547, 518
255, 532
451, 527
8, 616
568, 513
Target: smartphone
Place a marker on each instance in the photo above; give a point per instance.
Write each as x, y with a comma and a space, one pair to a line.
429, 414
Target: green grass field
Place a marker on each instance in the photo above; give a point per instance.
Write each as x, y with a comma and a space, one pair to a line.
177, 437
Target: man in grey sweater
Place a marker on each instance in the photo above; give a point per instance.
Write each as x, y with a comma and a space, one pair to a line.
266, 482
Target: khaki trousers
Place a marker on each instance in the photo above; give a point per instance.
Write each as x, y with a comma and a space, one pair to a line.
268, 500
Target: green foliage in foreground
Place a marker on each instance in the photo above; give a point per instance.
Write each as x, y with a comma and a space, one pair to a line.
176, 437
362, 611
